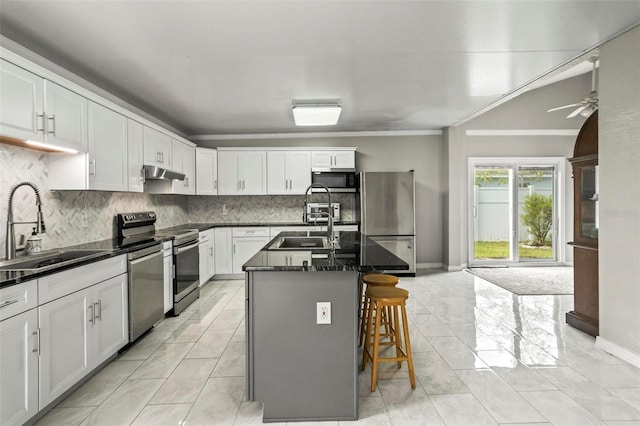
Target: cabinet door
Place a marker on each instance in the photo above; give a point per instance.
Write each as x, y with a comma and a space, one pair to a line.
252, 167
110, 330
277, 182
107, 149
298, 167
19, 368
189, 169
203, 251
322, 159
206, 171
64, 343
155, 145
228, 180
21, 101
66, 117
244, 248
344, 159
223, 248
135, 154
167, 267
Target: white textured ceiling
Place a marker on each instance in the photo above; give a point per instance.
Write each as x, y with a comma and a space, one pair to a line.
234, 67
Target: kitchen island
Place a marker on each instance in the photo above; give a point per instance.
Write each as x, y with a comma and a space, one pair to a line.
302, 301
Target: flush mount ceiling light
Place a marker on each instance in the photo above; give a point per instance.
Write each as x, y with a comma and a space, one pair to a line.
316, 112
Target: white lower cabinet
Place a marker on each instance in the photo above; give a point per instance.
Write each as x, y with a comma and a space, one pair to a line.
207, 257
167, 274
80, 331
222, 250
19, 368
247, 241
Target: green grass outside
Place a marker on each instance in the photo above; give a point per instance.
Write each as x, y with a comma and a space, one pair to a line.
500, 250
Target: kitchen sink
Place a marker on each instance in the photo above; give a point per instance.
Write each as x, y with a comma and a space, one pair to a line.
49, 260
300, 243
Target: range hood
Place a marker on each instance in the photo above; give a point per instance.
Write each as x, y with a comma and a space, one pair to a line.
156, 173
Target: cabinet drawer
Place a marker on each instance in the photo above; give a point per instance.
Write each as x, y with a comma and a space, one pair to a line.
57, 285
255, 231
206, 235
18, 298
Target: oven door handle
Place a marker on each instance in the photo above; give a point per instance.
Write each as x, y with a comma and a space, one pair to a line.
179, 250
144, 258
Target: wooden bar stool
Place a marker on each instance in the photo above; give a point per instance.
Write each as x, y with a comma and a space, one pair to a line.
374, 280
381, 298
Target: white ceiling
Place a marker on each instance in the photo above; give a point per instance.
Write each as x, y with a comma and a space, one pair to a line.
234, 67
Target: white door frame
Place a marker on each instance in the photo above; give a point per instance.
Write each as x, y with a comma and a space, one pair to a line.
559, 241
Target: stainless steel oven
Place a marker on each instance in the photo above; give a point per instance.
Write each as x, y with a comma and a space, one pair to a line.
186, 261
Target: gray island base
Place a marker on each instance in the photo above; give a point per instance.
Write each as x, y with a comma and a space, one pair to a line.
300, 369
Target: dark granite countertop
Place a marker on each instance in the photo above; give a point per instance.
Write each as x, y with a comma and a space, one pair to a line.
112, 248
356, 252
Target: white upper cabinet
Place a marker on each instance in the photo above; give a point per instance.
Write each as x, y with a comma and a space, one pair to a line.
135, 152
242, 172
206, 171
288, 172
337, 159
21, 103
107, 149
183, 158
157, 148
104, 167
66, 117
33, 108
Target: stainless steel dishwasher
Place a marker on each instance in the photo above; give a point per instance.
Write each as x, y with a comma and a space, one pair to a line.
146, 290
146, 272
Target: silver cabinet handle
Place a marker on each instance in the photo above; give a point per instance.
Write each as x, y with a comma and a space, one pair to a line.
52, 118
243, 187
186, 182
158, 157
38, 129
92, 167
142, 175
7, 303
91, 318
234, 249
37, 334
286, 184
97, 309
215, 184
210, 251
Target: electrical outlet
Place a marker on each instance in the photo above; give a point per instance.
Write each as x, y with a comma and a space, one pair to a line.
323, 311
84, 220
224, 209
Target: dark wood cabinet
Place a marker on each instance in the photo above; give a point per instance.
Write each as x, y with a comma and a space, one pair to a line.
585, 315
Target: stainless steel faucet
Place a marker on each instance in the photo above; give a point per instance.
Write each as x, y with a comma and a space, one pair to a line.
329, 215
39, 222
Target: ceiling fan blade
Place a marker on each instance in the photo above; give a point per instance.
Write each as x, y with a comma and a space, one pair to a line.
578, 111
563, 107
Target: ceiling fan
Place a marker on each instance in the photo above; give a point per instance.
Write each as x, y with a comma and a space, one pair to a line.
589, 103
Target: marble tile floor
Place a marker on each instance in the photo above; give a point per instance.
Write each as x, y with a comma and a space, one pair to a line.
482, 356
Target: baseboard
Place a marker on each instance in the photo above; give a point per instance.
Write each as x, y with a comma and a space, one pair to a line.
622, 353
454, 268
428, 265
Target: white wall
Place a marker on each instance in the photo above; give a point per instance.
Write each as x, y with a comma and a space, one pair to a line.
526, 112
619, 159
392, 153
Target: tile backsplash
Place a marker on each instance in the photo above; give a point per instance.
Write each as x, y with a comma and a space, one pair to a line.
65, 211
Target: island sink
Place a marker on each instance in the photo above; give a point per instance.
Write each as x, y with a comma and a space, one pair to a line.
300, 243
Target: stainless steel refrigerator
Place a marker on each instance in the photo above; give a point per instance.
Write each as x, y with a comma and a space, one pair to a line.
387, 213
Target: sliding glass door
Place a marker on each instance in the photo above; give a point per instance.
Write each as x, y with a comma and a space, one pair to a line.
514, 210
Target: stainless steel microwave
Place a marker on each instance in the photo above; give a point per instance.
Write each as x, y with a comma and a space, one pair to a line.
337, 180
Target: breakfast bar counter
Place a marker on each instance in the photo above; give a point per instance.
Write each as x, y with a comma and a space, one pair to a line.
302, 301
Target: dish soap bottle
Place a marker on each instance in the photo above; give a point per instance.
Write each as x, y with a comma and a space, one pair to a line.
34, 243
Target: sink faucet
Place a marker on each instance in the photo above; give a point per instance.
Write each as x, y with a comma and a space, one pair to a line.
329, 215
39, 222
